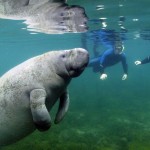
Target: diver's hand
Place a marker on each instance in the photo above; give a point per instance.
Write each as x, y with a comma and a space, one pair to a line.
103, 76
124, 77
137, 62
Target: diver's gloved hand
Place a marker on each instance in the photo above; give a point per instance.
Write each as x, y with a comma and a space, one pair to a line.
103, 76
124, 77
137, 62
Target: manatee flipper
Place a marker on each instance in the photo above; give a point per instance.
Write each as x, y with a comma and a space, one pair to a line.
63, 107
40, 114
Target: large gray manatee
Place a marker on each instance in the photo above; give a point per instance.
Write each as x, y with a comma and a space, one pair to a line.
46, 16
29, 91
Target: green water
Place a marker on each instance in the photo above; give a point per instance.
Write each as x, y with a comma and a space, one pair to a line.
103, 115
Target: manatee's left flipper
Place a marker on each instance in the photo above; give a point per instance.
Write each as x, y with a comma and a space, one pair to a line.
63, 107
40, 114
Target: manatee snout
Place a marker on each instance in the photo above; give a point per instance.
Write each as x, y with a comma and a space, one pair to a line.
83, 57
80, 62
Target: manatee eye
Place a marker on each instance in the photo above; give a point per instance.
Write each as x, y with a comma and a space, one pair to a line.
63, 56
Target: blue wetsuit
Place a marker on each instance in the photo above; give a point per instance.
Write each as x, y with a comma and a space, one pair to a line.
146, 60
108, 58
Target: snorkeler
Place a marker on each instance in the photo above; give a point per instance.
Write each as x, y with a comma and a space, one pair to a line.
144, 61
110, 57
113, 42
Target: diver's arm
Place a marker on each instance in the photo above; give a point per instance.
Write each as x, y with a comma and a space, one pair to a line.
124, 64
146, 60
125, 67
101, 69
103, 75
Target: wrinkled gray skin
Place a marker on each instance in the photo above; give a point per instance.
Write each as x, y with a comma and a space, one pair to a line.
29, 91
47, 16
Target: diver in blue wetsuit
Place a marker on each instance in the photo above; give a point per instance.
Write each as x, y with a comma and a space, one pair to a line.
110, 57
113, 42
144, 61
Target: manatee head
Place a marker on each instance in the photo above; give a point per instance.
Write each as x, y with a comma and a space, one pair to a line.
71, 63
78, 60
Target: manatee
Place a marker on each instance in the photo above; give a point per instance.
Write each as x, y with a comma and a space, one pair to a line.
46, 16
29, 91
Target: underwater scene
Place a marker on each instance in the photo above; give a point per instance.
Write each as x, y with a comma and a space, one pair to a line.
110, 106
